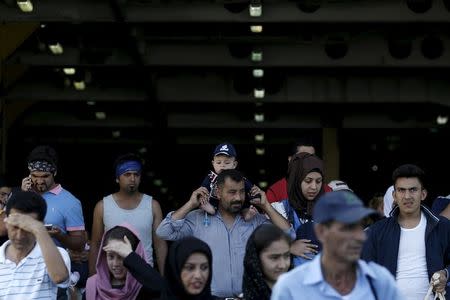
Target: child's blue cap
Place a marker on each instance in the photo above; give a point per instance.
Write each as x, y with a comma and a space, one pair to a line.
225, 149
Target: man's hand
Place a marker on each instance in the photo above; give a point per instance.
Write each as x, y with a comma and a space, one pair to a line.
440, 283
25, 222
303, 247
259, 198
27, 184
123, 248
55, 232
199, 196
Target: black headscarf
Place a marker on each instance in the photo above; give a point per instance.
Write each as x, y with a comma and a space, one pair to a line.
179, 252
299, 167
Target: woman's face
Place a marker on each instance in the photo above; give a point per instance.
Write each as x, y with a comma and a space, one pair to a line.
275, 260
195, 273
116, 268
311, 185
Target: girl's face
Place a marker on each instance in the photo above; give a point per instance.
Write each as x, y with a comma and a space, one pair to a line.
275, 260
311, 185
195, 273
116, 269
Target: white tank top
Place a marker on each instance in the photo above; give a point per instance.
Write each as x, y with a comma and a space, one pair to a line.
141, 218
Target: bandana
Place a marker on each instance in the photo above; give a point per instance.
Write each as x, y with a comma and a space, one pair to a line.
128, 166
41, 166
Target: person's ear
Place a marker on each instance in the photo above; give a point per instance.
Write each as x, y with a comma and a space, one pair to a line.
54, 174
117, 180
423, 195
235, 163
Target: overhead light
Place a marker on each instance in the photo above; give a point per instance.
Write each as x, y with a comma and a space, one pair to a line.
164, 190
256, 28
25, 5
262, 171
90, 103
157, 182
43, 25
100, 115
259, 137
69, 71
56, 48
260, 151
442, 120
263, 184
258, 93
255, 9
257, 55
143, 150
259, 117
116, 133
79, 85
258, 73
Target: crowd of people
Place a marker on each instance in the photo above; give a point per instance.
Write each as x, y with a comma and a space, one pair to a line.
300, 239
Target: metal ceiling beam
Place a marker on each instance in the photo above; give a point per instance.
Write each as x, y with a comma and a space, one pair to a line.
369, 11
216, 88
362, 50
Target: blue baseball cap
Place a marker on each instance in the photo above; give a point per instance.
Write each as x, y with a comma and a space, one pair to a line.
225, 149
340, 206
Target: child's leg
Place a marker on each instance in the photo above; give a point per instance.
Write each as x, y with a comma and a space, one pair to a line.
210, 206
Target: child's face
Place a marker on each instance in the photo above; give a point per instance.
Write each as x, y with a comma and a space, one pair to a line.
116, 267
223, 162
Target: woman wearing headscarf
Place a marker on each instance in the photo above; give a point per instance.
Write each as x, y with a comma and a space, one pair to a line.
305, 186
267, 256
188, 269
112, 280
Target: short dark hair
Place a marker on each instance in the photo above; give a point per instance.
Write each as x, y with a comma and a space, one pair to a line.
233, 174
45, 153
304, 141
27, 202
118, 233
409, 171
126, 157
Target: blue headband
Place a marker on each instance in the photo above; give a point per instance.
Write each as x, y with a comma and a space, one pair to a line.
128, 166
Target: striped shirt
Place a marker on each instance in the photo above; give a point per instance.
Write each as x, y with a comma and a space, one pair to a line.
28, 279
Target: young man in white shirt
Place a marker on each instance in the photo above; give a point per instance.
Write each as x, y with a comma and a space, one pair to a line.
413, 243
31, 265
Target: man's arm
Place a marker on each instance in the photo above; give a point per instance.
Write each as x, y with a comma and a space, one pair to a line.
54, 262
73, 240
176, 225
159, 244
98, 229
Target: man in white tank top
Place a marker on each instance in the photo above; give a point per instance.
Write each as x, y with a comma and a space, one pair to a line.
130, 206
413, 243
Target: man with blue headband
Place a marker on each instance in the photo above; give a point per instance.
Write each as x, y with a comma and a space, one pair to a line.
128, 205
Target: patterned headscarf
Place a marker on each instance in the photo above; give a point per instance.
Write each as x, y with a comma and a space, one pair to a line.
41, 166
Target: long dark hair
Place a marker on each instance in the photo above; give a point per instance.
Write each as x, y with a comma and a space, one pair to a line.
254, 286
